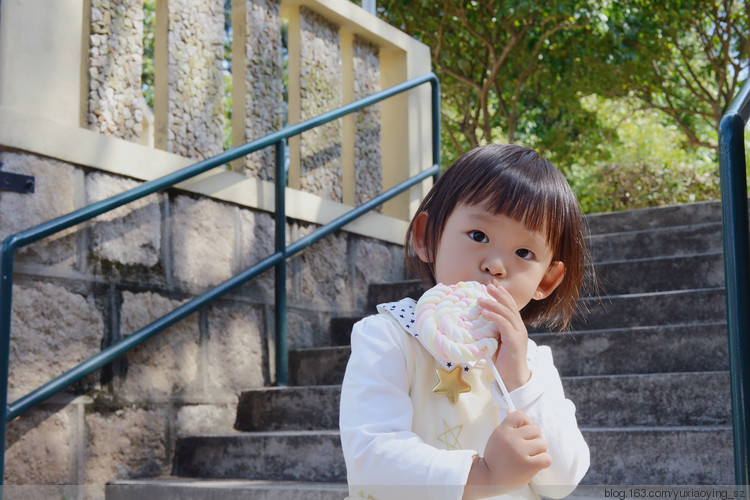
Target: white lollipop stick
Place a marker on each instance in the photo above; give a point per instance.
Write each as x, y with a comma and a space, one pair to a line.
503, 389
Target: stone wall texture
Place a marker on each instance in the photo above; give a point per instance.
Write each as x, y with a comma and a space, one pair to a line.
115, 63
264, 100
118, 276
320, 91
196, 83
56, 185
368, 172
92, 285
130, 234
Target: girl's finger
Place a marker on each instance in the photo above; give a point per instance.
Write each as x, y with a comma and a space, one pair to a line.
492, 309
503, 324
500, 294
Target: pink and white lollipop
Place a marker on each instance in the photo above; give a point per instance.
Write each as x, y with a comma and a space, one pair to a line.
451, 327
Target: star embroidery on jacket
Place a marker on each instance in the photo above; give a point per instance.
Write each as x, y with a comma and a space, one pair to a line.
450, 437
450, 383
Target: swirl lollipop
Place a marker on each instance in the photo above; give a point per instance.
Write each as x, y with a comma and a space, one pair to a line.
451, 327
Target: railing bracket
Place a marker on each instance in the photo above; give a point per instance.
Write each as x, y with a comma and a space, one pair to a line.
16, 182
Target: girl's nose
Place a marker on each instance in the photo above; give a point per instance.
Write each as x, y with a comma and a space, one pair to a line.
495, 267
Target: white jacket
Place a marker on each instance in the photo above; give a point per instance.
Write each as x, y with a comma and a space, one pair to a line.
403, 441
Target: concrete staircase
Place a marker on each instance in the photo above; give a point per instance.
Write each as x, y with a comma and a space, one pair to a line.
646, 367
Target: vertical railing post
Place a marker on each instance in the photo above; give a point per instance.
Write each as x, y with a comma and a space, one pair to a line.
6, 293
282, 357
435, 87
737, 280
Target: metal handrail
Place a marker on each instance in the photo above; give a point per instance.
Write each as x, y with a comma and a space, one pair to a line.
737, 270
277, 259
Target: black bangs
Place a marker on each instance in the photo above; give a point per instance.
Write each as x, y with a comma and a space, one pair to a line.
521, 185
514, 181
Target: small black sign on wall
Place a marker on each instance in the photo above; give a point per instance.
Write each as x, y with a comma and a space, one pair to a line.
16, 182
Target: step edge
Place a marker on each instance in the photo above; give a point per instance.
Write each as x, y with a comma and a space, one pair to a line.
657, 259
214, 482
261, 434
647, 375
656, 229
642, 428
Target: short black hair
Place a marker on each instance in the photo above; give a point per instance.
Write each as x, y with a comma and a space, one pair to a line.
516, 182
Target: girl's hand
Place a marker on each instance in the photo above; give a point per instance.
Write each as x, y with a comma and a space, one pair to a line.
510, 358
514, 454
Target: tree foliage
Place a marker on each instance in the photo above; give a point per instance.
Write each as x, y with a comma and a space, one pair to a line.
492, 57
624, 96
687, 59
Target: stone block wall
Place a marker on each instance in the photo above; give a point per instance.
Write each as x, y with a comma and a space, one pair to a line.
116, 104
97, 283
264, 81
88, 287
368, 172
320, 91
195, 115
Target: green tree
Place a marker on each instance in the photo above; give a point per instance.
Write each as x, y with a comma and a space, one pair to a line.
647, 162
685, 58
624, 96
492, 59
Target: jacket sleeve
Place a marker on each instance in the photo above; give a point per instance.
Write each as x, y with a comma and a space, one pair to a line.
381, 452
542, 398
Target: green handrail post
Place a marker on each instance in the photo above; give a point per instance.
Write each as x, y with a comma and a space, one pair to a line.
282, 368
276, 260
736, 239
436, 117
6, 293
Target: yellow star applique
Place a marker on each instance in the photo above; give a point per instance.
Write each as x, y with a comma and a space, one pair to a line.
450, 437
450, 383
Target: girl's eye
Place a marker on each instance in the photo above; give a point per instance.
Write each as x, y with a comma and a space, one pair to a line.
478, 236
525, 253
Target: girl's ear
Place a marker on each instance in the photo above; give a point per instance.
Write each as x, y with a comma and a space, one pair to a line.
418, 237
551, 280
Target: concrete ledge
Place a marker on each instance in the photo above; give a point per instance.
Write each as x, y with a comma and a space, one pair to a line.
48, 138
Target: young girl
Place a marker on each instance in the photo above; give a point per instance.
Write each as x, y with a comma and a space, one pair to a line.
410, 428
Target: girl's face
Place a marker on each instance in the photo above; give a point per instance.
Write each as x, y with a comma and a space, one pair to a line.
477, 245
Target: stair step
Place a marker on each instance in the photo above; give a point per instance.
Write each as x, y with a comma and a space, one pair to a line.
668, 242
653, 349
653, 400
659, 456
643, 275
682, 455
660, 274
380, 293
681, 307
341, 328
651, 218
664, 399
277, 456
318, 366
174, 488
289, 408
678, 307
681, 348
